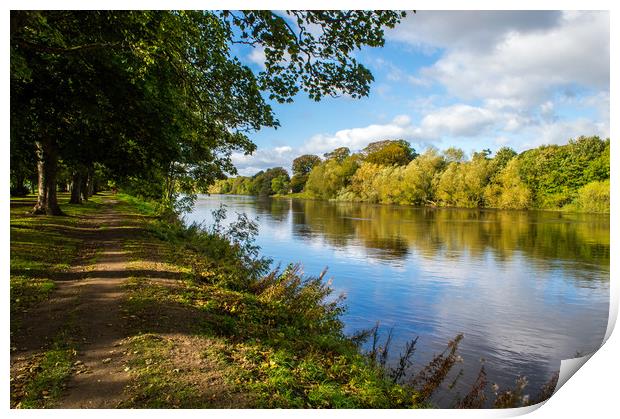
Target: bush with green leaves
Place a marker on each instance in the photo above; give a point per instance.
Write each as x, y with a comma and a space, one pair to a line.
593, 197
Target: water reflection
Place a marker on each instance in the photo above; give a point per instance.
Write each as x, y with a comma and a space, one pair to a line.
527, 289
546, 235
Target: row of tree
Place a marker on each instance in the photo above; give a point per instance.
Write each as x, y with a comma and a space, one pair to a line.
157, 101
575, 176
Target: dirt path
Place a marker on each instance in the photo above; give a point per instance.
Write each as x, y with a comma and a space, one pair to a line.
100, 377
89, 310
86, 305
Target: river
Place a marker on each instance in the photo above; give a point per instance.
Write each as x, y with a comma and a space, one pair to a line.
526, 288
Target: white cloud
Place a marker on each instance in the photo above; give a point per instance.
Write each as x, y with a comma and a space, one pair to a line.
547, 111
382, 89
457, 120
354, 138
395, 74
526, 67
419, 81
559, 132
262, 159
457, 123
599, 101
257, 56
476, 29
513, 75
283, 149
402, 120
358, 138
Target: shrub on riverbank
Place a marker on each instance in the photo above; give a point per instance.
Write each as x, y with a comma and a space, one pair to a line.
593, 197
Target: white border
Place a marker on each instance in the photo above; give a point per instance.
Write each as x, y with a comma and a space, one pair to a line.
592, 393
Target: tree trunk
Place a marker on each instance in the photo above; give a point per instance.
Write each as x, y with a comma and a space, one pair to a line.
84, 187
91, 181
47, 166
33, 182
76, 187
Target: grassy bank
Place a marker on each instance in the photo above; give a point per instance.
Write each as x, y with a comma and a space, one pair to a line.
273, 337
254, 340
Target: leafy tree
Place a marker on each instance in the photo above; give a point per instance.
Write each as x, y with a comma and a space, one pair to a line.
310, 51
23, 166
453, 154
329, 177
463, 184
302, 166
450, 185
482, 181
594, 197
298, 182
262, 182
599, 166
339, 154
508, 191
364, 181
588, 161
280, 185
502, 157
159, 96
421, 176
555, 173
476, 175
389, 152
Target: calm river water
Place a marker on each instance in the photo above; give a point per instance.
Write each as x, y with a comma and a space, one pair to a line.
526, 289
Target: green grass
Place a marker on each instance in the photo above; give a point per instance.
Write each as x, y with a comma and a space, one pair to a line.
26, 292
278, 366
45, 374
42, 248
153, 387
135, 206
48, 383
263, 340
272, 342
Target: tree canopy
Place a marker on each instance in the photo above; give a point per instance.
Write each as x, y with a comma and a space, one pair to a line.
159, 98
339, 154
389, 152
302, 166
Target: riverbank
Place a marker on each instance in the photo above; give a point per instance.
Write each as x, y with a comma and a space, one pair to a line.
306, 196
112, 307
117, 305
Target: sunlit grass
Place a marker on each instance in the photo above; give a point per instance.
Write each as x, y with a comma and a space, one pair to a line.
43, 247
48, 382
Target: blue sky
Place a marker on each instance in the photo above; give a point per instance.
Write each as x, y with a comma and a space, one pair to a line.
470, 79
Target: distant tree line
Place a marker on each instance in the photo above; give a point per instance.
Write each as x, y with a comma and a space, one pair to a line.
574, 176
